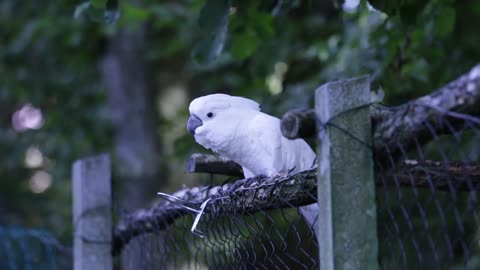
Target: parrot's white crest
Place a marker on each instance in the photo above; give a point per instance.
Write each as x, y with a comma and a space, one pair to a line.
235, 128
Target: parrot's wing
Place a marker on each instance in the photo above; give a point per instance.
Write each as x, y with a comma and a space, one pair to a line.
267, 137
285, 155
298, 155
247, 173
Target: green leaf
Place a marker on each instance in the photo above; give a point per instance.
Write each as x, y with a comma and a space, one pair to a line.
135, 13
81, 10
244, 45
263, 23
410, 11
213, 22
444, 21
387, 7
107, 12
213, 15
98, 3
210, 47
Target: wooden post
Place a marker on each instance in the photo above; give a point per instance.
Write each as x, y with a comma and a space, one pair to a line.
92, 214
346, 195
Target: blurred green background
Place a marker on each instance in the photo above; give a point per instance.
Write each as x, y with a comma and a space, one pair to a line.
116, 76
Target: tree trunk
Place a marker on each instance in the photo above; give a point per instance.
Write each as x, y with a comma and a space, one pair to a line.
136, 147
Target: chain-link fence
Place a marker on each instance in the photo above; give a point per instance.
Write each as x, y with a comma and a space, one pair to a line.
239, 229
275, 239
22, 248
427, 199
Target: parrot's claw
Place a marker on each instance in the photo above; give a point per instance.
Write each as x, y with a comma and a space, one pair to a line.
261, 176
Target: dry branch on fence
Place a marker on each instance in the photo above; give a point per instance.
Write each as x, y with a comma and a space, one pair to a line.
205, 163
404, 124
424, 118
451, 176
243, 196
201, 163
284, 191
300, 123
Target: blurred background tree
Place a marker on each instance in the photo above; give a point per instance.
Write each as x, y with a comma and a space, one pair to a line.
77, 79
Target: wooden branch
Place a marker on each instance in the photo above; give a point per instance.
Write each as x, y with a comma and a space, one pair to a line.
202, 163
449, 176
298, 124
403, 124
283, 191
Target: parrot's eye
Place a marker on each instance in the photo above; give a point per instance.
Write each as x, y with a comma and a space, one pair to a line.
210, 115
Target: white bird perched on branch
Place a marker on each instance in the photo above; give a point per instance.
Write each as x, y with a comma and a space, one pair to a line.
235, 128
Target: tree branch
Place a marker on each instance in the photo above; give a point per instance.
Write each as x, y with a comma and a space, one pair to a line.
449, 176
403, 124
299, 124
243, 196
203, 163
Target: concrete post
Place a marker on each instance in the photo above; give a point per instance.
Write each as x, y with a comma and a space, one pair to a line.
92, 214
346, 191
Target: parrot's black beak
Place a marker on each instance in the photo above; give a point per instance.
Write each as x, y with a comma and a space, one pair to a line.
193, 122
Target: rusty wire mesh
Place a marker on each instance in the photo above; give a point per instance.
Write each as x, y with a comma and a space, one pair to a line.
427, 198
250, 239
276, 239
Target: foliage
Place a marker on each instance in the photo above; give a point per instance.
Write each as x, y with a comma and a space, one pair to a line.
277, 52
46, 60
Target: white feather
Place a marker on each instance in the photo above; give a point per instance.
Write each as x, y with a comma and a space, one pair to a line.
239, 131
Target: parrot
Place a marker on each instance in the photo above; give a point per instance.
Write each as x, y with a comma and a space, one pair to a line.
235, 128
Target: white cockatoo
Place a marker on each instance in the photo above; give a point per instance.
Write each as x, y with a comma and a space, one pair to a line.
235, 128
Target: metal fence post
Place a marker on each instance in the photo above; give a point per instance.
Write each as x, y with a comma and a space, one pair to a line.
346, 191
92, 215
